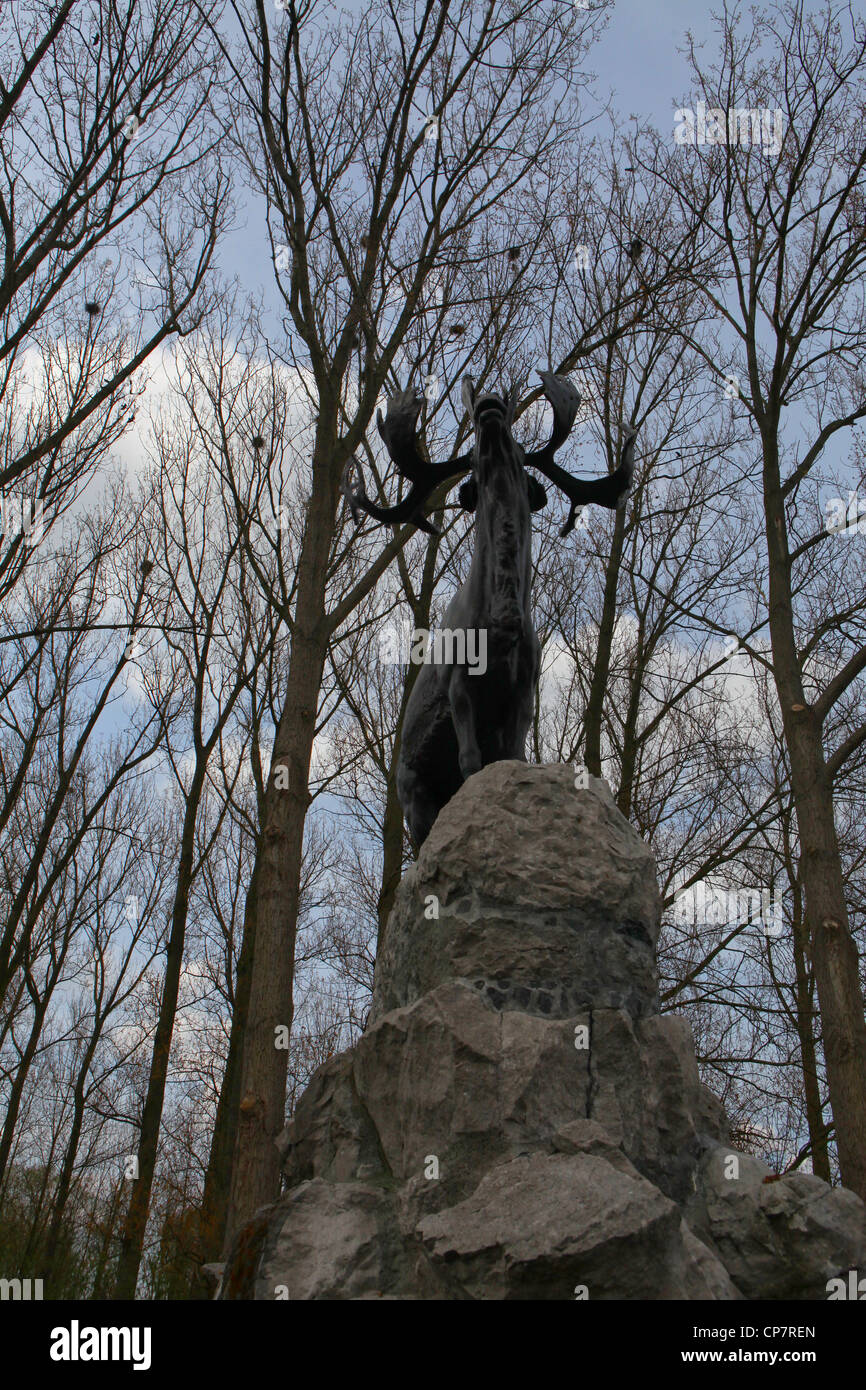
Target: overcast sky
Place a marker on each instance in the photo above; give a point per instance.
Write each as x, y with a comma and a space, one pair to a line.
638, 56
636, 61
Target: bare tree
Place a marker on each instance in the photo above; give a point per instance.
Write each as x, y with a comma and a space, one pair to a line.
782, 222
212, 640
111, 203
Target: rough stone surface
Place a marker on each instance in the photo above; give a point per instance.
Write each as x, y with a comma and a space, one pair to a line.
779, 1237
546, 897
518, 1121
552, 1226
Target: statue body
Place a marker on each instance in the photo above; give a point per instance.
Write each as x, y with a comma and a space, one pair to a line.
461, 716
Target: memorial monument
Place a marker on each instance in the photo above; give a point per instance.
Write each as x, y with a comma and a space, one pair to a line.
519, 1120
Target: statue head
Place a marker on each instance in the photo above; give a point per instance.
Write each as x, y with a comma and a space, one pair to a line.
494, 446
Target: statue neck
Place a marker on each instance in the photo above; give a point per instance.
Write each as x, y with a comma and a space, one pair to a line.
502, 559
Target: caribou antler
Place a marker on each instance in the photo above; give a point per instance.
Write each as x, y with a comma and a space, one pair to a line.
610, 491
399, 429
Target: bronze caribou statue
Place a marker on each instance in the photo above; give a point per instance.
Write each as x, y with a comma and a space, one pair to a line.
458, 719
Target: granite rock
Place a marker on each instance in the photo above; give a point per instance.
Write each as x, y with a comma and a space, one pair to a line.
518, 1120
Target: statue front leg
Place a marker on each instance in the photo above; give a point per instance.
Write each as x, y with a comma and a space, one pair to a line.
420, 806
463, 718
523, 711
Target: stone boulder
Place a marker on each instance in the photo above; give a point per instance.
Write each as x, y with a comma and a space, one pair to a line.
779, 1237
537, 893
518, 1120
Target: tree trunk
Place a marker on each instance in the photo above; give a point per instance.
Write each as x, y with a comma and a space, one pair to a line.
392, 832
107, 1241
630, 738
834, 953
19, 1080
592, 721
255, 1171
805, 1011
215, 1200
132, 1240
392, 828
64, 1182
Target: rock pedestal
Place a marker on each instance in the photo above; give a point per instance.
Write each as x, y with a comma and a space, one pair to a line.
518, 1120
